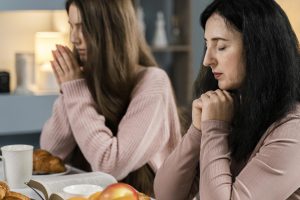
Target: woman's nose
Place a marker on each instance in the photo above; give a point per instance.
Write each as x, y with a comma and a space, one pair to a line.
74, 37
209, 59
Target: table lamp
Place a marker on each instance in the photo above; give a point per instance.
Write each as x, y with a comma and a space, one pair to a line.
44, 44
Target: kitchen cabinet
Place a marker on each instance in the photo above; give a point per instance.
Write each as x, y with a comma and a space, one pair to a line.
22, 118
22, 114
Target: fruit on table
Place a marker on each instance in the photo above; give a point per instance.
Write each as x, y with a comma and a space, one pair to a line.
119, 191
77, 198
95, 196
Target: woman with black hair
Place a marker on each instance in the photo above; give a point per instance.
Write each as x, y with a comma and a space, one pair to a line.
244, 142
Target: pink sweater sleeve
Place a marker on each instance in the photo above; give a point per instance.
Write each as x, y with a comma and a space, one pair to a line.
143, 131
56, 135
178, 177
272, 174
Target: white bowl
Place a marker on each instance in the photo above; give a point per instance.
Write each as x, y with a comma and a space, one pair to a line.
82, 190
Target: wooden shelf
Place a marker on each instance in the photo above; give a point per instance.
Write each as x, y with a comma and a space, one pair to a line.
175, 59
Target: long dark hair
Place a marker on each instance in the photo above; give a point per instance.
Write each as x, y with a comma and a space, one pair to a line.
272, 83
115, 47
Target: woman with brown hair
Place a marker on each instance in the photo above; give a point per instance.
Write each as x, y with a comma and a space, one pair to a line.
116, 109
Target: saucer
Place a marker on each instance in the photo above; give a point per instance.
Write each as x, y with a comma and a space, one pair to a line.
68, 169
82, 190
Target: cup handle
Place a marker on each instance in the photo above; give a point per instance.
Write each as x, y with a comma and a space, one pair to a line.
4, 171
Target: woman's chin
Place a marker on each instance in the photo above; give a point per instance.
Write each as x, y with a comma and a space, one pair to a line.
222, 86
225, 86
83, 58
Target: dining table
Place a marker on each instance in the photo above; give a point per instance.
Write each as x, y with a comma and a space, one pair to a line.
34, 194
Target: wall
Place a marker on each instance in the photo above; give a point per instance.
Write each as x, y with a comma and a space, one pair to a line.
197, 33
292, 8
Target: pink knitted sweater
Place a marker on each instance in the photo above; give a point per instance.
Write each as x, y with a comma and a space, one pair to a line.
202, 162
147, 133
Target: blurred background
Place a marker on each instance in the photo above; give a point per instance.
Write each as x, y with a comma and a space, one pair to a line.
31, 28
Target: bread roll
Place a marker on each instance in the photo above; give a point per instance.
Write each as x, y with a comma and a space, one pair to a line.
45, 163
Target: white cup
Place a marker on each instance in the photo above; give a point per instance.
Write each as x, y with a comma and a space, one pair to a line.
17, 165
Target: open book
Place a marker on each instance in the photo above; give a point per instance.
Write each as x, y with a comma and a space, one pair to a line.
52, 187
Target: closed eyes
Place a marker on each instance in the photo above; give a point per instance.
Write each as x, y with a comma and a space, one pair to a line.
221, 48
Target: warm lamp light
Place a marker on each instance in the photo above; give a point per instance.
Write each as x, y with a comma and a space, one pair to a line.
44, 44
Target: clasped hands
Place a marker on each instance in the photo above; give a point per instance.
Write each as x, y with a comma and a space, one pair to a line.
65, 66
213, 105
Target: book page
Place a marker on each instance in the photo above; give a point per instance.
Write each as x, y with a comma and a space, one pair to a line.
56, 184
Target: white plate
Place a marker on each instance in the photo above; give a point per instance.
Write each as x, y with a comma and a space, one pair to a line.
68, 169
82, 190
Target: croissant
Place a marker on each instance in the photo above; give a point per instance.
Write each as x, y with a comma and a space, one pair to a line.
45, 163
15, 196
3, 189
5, 194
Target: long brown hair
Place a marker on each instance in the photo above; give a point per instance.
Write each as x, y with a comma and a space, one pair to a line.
115, 47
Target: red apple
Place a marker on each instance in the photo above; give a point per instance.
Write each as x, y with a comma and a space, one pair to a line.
119, 191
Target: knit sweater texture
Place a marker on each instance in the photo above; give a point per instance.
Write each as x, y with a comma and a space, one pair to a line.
202, 162
147, 133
